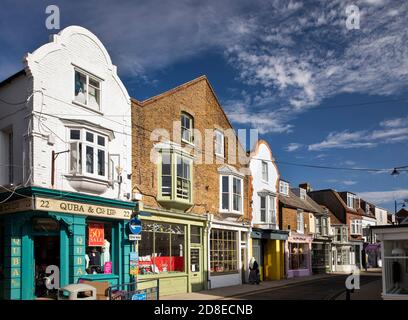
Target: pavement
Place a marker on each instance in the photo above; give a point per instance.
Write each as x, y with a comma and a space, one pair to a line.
370, 289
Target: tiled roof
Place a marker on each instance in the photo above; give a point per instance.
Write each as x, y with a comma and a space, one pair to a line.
295, 202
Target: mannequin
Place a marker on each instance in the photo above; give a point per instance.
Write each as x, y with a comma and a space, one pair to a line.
106, 251
87, 261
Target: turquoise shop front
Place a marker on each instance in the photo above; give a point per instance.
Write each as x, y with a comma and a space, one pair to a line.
83, 237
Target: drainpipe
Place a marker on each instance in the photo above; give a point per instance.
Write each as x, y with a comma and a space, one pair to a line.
210, 218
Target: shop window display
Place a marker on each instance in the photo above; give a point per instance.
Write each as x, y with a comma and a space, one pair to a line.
162, 248
223, 253
396, 266
98, 249
298, 256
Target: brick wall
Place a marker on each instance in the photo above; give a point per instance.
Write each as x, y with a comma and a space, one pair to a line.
197, 99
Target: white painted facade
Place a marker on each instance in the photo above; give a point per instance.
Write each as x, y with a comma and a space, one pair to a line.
367, 223
43, 124
262, 187
381, 215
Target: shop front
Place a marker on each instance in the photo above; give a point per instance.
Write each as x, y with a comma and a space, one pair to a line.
321, 260
268, 248
299, 255
346, 257
228, 254
172, 249
67, 236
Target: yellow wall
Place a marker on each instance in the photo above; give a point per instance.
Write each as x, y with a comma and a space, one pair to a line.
274, 260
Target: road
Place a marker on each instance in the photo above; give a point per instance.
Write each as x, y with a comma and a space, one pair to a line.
323, 289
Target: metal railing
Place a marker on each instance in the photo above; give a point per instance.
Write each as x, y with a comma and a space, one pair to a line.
133, 291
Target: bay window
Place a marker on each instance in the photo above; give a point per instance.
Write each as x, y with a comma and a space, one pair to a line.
231, 194
267, 209
88, 153
87, 90
175, 176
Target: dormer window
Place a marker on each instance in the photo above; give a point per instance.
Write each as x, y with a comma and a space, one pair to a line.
87, 90
367, 208
186, 128
302, 194
284, 188
351, 200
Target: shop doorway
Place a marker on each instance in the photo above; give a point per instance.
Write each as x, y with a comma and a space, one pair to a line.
196, 274
244, 260
46, 253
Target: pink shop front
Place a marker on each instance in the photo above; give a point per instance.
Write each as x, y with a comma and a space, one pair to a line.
298, 262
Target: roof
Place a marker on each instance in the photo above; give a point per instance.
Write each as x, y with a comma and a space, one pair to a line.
402, 213
12, 77
341, 201
296, 202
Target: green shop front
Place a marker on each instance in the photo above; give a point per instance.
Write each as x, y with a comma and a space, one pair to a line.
76, 236
173, 250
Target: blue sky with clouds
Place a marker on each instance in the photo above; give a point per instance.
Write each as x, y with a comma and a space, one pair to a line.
319, 93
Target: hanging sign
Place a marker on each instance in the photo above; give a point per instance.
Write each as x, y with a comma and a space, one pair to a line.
135, 226
96, 235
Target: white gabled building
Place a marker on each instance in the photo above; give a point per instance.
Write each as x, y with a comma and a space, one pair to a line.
267, 240
65, 146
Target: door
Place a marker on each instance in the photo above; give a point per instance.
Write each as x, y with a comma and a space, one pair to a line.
244, 265
196, 269
46, 253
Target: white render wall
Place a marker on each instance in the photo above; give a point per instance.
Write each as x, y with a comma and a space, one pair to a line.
381, 216
16, 118
51, 70
262, 152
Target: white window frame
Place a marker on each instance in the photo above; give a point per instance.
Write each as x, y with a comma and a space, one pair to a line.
271, 209
351, 197
300, 221
219, 143
174, 156
87, 77
318, 225
231, 194
325, 226
265, 171
265, 208
81, 168
356, 227
302, 193
284, 188
190, 130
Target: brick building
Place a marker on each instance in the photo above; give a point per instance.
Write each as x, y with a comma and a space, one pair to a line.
191, 175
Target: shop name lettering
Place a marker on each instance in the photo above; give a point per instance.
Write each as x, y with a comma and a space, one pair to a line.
79, 208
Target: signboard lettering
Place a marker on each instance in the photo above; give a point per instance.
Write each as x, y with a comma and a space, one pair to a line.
96, 234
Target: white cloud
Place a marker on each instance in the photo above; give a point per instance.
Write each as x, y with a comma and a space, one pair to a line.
393, 131
349, 182
379, 197
293, 147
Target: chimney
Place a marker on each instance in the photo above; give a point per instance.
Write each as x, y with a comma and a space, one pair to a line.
306, 186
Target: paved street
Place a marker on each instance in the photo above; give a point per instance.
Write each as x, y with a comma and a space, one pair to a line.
320, 289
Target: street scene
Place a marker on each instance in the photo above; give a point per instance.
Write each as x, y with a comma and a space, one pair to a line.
217, 150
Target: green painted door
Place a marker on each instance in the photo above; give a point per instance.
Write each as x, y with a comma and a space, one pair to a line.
196, 269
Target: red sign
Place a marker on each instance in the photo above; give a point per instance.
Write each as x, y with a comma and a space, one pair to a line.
96, 235
107, 267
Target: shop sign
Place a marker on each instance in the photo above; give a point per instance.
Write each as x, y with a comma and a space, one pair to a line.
56, 205
134, 263
96, 235
16, 206
139, 296
135, 237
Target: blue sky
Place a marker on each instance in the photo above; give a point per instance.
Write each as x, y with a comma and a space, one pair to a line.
319, 93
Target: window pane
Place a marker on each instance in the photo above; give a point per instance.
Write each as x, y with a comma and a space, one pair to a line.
101, 162
75, 135
183, 178
195, 234
94, 97
98, 245
89, 137
177, 252
80, 87
263, 209
101, 141
225, 193
89, 159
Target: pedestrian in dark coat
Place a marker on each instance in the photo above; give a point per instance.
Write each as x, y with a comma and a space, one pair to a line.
253, 271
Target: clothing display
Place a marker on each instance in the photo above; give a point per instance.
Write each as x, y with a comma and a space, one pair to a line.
95, 258
106, 251
87, 261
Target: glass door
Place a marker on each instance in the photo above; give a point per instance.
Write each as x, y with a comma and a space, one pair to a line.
196, 267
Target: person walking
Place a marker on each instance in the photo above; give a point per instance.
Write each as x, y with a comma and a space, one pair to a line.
253, 271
